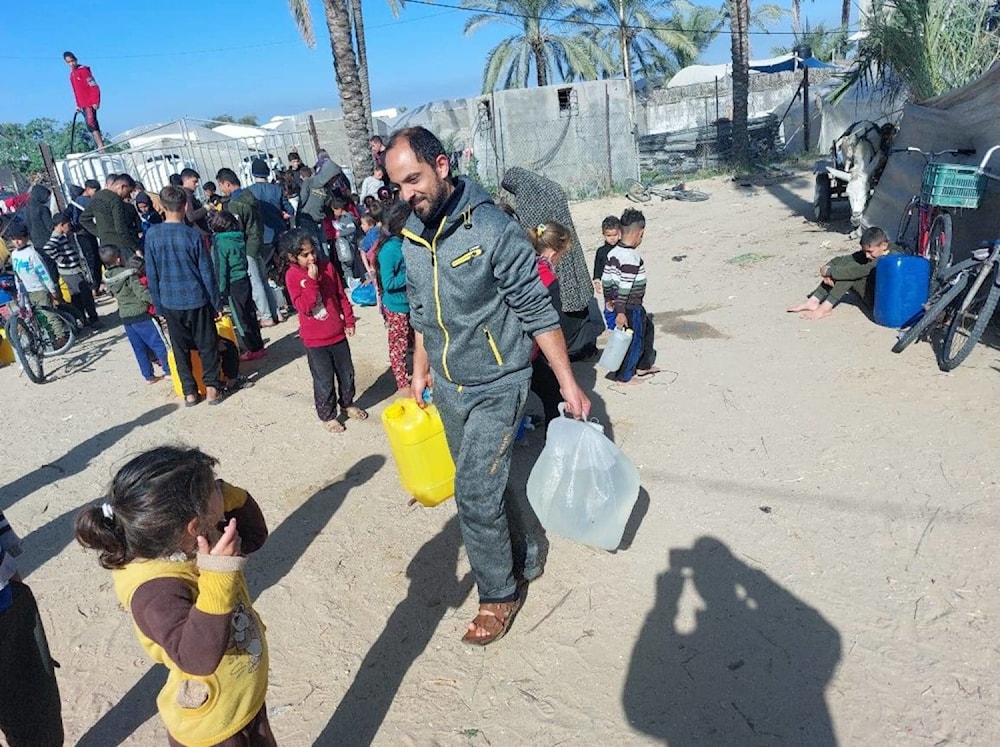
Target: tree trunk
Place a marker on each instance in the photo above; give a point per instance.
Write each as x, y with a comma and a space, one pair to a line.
540, 69
796, 16
845, 13
352, 104
739, 24
359, 39
623, 40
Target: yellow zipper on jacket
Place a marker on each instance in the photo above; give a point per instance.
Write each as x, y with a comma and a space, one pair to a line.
437, 297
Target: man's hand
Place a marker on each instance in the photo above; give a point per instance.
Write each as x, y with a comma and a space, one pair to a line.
577, 403
597, 287
621, 321
824, 271
422, 378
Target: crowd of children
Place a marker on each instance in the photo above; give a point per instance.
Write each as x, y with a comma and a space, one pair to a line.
175, 537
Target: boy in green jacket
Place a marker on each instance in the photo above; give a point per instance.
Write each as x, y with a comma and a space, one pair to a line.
229, 254
134, 300
844, 274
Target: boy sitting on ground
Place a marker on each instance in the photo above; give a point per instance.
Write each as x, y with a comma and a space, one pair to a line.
843, 274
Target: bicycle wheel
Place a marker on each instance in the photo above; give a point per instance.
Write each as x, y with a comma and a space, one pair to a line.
968, 323
25, 346
689, 195
638, 192
57, 332
905, 220
939, 243
935, 306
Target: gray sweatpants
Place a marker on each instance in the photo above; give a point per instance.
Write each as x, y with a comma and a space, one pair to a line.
480, 423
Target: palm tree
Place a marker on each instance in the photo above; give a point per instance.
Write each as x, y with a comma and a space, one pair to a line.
357, 117
762, 17
701, 24
825, 43
739, 24
540, 44
845, 14
925, 47
645, 43
357, 18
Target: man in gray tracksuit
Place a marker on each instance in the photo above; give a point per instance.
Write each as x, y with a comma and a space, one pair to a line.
476, 306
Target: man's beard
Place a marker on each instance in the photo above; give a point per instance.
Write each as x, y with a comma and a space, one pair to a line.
427, 210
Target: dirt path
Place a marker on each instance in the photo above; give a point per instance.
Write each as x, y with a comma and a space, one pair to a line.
814, 558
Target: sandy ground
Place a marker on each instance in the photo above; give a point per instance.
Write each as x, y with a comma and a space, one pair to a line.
812, 560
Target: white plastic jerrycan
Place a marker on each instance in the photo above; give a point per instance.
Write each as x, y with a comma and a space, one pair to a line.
583, 487
619, 342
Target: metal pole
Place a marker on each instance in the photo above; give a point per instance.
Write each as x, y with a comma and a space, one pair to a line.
313, 135
50, 169
607, 133
805, 109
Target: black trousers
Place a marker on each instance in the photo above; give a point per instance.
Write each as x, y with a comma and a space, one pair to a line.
241, 300
332, 369
194, 329
30, 713
545, 384
88, 245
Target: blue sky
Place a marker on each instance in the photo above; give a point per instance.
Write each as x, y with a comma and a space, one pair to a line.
246, 57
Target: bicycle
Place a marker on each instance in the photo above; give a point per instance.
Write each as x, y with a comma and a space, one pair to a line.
966, 320
943, 185
639, 192
37, 333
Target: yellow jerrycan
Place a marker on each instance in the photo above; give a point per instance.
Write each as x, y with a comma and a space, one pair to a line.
224, 327
418, 443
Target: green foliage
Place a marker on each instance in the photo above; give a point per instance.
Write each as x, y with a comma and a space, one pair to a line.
541, 45
19, 142
246, 119
926, 47
639, 31
827, 44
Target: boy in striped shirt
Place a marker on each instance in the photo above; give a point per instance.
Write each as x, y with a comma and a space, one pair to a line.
624, 285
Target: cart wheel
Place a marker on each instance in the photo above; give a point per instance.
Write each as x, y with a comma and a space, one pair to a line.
822, 198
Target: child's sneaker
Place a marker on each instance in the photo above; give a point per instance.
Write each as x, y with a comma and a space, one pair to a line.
254, 355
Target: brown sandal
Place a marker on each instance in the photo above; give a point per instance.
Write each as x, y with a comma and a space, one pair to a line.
495, 618
356, 413
334, 426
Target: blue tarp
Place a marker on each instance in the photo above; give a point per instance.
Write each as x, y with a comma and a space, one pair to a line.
790, 65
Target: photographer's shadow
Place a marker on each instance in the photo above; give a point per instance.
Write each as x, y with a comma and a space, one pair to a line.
748, 665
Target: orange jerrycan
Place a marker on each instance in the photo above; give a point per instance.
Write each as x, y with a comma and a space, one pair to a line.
224, 327
418, 443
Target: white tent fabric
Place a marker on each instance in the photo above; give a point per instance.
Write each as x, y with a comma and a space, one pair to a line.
708, 73
967, 117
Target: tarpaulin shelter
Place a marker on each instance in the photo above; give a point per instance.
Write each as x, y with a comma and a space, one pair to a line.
966, 117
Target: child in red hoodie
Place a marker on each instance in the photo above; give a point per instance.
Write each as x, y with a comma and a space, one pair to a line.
326, 320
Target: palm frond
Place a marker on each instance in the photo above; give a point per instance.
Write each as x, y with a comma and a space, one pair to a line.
303, 20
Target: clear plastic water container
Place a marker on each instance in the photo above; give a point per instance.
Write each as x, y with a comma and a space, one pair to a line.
583, 487
614, 353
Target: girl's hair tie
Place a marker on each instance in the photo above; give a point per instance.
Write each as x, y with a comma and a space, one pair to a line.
108, 511
540, 230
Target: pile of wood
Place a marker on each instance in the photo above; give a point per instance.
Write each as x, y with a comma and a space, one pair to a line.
705, 147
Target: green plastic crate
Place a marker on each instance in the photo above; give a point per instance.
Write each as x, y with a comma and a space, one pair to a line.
952, 185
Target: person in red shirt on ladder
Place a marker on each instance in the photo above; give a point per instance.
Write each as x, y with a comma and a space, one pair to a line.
88, 95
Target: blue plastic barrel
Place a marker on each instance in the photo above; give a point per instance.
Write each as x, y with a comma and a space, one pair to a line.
901, 283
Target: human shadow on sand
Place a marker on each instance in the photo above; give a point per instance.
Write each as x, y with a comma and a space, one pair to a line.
76, 459
284, 546
434, 589
749, 666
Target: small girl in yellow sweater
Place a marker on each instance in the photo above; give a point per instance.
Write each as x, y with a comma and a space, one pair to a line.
168, 533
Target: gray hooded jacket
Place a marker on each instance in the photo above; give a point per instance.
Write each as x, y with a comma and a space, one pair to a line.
474, 292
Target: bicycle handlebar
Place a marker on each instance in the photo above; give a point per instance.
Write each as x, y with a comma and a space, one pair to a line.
932, 154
